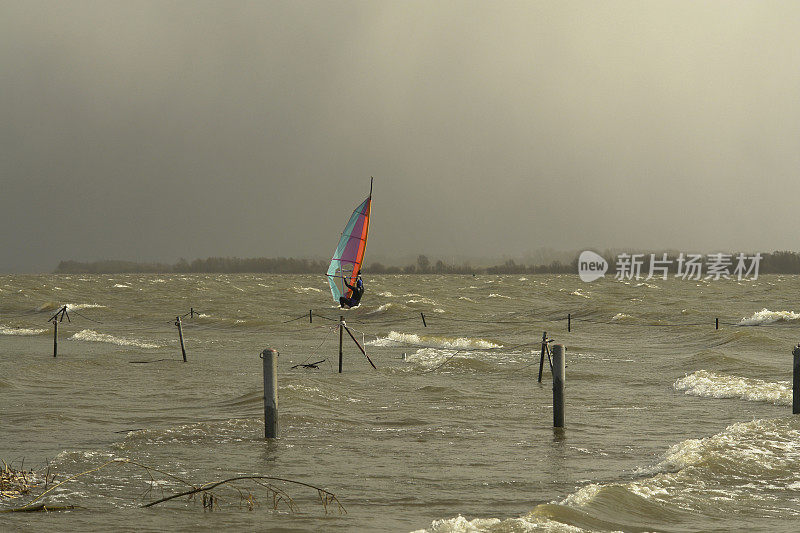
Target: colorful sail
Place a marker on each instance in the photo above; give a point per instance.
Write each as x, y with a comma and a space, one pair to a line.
349, 254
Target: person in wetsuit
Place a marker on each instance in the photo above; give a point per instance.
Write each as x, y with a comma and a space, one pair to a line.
358, 292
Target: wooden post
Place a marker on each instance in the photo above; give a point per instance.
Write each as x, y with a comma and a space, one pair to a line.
569, 321
423, 320
541, 357
717, 322
341, 332
796, 381
191, 312
55, 338
270, 358
310, 321
180, 336
559, 371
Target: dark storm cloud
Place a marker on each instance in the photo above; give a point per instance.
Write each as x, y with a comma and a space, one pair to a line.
158, 130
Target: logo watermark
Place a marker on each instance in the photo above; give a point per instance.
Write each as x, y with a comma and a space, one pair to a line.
592, 266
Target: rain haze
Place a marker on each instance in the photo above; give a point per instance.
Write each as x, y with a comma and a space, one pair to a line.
150, 131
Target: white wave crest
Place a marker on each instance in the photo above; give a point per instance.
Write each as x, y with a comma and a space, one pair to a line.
460, 524
730, 466
76, 307
93, 336
495, 295
303, 290
121, 286
712, 385
386, 294
422, 300
579, 293
620, 316
531, 522
20, 331
467, 299
50, 306
395, 338
382, 309
582, 496
765, 444
765, 316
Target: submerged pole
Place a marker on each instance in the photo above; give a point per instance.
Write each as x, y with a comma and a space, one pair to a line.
270, 358
559, 371
341, 332
717, 324
310, 321
796, 381
569, 321
55, 338
423, 320
180, 336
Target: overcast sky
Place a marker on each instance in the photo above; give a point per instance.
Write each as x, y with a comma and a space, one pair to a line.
157, 130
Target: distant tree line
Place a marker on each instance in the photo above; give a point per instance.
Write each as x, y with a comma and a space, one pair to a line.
231, 265
779, 262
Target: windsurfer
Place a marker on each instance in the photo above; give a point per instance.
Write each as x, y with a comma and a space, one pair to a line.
358, 292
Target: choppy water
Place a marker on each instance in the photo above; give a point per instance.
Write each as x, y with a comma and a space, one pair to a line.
671, 424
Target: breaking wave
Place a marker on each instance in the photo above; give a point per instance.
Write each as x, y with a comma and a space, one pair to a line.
53, 306
712, 385
4, 330
382, 309
749, 464
765, 316
305, 290
395, 338
89, 335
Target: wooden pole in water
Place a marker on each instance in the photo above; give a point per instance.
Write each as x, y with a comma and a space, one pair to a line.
55, 338
717, 322
270, 358
423, 320
541, 357
796, 381
310, 321
569, 321
559, 371
180, 336
341, 332
191, 312
360, 348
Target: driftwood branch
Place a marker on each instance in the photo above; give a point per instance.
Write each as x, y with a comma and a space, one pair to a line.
326, 497
209, 498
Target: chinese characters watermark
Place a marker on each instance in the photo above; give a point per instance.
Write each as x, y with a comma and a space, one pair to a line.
592, 266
